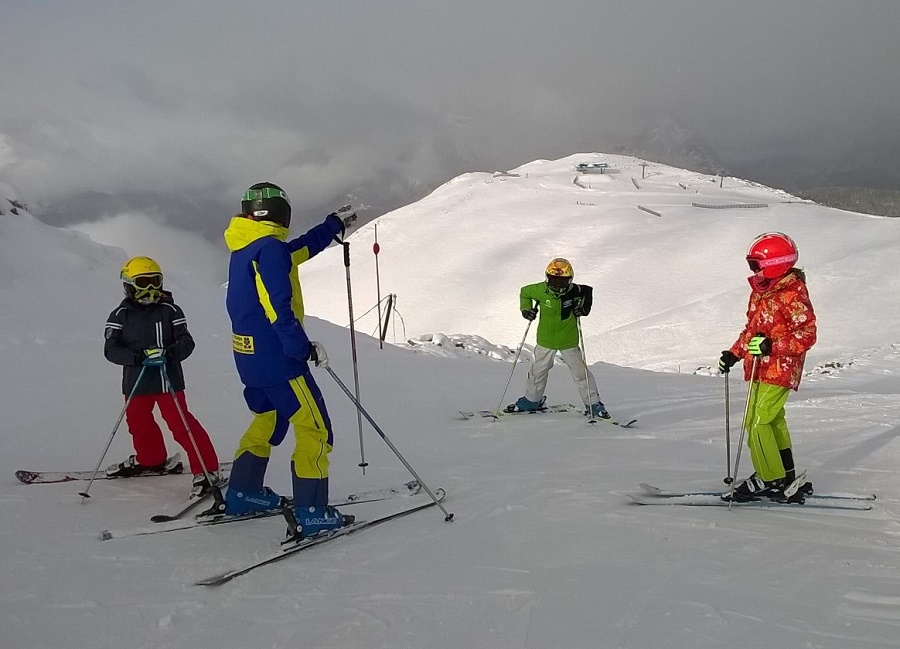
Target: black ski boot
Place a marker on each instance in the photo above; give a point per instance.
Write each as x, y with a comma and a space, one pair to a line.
755, 488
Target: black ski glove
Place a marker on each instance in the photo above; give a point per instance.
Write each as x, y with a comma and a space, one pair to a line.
530, 314
579, 310
727, 361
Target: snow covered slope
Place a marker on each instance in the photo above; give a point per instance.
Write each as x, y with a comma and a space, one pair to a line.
457, 258
545, 549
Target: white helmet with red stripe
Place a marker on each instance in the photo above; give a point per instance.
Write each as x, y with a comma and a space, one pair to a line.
772, 254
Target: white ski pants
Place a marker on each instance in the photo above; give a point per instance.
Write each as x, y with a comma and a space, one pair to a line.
540, 369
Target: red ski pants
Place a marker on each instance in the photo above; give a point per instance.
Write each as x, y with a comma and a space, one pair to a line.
149, 446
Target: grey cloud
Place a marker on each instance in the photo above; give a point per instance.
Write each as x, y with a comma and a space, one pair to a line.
384, 100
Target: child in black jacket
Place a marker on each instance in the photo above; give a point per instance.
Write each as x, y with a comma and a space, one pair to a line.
148, 333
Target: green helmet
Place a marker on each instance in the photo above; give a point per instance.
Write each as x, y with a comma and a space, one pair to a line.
267, 202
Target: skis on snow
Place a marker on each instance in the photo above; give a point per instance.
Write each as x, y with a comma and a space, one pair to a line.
559, 407
292, 547
662, 493
410, 488
651, 495
173, 466
551, 409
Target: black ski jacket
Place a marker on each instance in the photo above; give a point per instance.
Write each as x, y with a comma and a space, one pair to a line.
134, 327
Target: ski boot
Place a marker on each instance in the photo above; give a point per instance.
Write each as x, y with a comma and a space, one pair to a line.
201, 486
524, 404
240, 503
755, 488
597, 410
304, 522
130, 468
795, 491
806, 489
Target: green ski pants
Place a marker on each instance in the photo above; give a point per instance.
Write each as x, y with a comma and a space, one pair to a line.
767, 431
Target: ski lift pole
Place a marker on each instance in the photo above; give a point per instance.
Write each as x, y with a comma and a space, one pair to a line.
387, 317
84, 494
376, 249
362, 454
447, 515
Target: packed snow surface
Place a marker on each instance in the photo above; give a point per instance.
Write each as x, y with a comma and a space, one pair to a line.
545, 549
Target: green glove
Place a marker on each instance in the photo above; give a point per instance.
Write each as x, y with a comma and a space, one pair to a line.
759, 346
154, 357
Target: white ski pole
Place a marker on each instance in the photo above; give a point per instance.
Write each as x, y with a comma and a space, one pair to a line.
84, 494
515, 362
593, 418
737, 460
447, 515
728, 478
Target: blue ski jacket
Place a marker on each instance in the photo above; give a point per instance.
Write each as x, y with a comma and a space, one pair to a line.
264, 299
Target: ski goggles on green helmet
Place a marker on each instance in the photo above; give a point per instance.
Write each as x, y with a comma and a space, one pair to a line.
144, 282
263, 193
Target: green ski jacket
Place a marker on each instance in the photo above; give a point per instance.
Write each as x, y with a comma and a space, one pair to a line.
557, 326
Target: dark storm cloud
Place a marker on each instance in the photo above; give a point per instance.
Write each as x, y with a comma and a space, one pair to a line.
383, 100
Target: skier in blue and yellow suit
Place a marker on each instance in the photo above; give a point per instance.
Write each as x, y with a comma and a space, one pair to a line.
271, 352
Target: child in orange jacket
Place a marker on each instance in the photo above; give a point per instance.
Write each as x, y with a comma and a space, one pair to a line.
780, 329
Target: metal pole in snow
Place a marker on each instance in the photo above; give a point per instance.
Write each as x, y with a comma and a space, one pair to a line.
362, 454
376, 249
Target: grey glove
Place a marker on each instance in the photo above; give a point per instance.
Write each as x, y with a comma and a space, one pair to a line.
317, 354
347, 216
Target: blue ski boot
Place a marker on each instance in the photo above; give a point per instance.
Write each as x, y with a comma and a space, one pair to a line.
597, 410
240, 503
314, 519
524, 404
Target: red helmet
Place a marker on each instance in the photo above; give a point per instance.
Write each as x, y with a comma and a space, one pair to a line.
772, 254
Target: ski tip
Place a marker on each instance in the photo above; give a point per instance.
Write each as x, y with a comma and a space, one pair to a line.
162, 518
211, 581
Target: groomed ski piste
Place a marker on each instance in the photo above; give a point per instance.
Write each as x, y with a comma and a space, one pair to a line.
545, 550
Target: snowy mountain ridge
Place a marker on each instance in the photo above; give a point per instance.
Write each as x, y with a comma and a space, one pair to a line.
657, 279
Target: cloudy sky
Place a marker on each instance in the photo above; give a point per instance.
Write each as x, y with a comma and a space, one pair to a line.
176, 107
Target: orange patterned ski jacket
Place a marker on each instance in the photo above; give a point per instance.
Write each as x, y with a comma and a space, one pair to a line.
783, 313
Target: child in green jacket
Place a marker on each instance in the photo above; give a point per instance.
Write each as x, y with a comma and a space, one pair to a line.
560, 303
